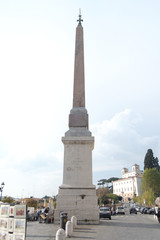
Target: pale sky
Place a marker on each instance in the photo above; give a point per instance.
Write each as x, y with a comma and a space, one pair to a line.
122, 74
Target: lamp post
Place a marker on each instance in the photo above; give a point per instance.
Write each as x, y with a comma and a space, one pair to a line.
1, 189
122, 195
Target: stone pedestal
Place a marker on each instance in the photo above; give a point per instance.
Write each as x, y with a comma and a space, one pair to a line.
79, 202
77, 194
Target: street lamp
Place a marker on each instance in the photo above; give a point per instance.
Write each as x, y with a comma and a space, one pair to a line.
1, 189
122, 195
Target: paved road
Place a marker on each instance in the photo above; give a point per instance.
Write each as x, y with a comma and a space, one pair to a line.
128, 227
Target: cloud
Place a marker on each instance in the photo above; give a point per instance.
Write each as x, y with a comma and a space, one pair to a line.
118, 143
36, 174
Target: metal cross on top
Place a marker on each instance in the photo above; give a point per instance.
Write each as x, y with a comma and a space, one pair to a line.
80, 20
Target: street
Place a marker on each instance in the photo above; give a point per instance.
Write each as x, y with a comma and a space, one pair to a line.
128, 227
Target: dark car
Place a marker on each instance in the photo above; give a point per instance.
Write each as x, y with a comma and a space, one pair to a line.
144, 210
151, 211
133, 210
105, 212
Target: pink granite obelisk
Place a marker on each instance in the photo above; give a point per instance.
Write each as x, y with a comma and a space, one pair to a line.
77, 195
78, 116
79, 81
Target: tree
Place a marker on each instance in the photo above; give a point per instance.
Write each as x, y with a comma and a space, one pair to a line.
32, 203
105, 197
112, 179
7, 199
149, 197
104, 200
102, 191
156, 164
102, 195
102, 182
108, 183
151, 181
120, 198
150, 161
113, 197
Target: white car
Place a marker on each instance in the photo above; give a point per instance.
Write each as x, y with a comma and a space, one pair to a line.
120, 210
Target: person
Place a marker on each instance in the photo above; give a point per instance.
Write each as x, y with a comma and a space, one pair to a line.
27, 215
44, 215
46, 211
39, 214
157, 212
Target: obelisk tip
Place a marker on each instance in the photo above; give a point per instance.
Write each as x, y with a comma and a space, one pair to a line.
79, 19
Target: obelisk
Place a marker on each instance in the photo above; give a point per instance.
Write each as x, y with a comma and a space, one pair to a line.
77, 195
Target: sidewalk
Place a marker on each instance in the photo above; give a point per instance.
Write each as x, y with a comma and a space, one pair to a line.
43, 231
85, 232
138, 227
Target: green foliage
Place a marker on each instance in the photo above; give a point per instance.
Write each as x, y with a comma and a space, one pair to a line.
109, 180
120, 198
149, 197
135, 199
156, 164
150, 161
102, 182
108, 183
150, 187
102, 195
7, 199
138, 199
105, 197
112, 179
32, 203
151, 180
113, 197
102, 191
54, 204
104, 200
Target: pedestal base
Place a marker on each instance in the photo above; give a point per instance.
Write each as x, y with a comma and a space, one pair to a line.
78, 202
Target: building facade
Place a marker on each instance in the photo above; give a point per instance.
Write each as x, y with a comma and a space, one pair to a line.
130, 184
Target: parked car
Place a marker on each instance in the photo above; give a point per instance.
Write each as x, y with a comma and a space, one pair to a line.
138, 209
105, 212
142, 209
145, 210
133, 210
120, 210
151, 211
